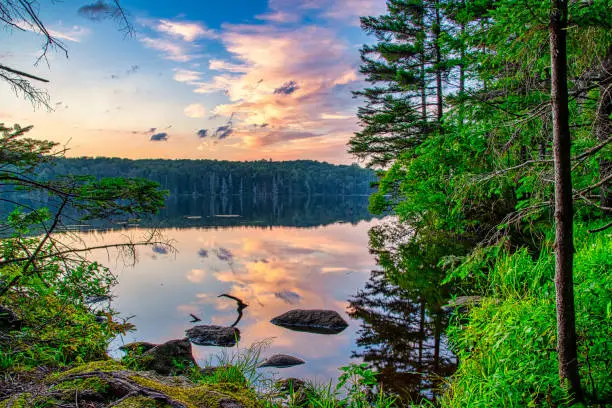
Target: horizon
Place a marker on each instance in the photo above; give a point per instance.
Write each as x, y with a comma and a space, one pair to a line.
239, 81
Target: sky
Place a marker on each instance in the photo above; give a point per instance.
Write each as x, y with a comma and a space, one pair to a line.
226, 80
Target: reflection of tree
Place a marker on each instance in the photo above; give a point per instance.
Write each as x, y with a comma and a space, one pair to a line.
401, 335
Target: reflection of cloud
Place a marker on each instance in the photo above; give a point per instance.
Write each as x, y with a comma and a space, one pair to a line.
291, 298
202, 253
196, 275
160, 249
224, 254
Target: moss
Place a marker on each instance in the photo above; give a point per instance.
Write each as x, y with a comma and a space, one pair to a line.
141, 402
82, 384
104, 366
17, 401
203, 396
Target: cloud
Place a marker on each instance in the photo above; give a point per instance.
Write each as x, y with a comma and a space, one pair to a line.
132, 69
202, 133
223, 131
97, 11
202, 253
159, 137
219, 65
74, 34
171, 50
185, 75
195, 110
287, 88
319, 64
278, 17
187, 31
333, 116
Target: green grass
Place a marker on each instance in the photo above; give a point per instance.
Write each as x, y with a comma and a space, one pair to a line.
507, 345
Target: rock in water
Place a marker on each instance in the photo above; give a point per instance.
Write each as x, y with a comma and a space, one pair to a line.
213, 335
172, 357
280, 361
313, 321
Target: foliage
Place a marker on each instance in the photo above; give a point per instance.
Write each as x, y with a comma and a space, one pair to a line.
225, 178
507, 345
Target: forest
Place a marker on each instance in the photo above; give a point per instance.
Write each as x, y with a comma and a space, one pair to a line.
216, 177
489, 124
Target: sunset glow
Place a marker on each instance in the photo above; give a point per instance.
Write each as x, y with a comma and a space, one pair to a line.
237, 80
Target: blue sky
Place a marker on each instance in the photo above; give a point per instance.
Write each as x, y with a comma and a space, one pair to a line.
231, 80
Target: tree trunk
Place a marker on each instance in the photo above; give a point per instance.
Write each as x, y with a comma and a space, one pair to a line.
438, 58
564, 247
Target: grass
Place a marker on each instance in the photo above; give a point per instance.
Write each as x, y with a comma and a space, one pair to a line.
507, 345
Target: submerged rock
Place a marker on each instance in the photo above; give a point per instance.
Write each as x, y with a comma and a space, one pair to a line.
313, 321
206, 335
281, 361
172, 357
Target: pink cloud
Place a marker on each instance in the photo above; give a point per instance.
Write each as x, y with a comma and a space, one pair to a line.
284, 79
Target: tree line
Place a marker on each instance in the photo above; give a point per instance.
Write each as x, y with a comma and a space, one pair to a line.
225, 178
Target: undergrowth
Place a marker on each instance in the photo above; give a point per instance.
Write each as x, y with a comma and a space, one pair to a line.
507, 345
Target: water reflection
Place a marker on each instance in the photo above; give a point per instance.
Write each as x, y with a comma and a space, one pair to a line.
273, 270
401, 334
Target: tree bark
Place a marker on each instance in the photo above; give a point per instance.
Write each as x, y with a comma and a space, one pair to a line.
438, 58
564, 246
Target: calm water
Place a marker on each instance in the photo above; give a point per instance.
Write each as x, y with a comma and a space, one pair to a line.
309, 253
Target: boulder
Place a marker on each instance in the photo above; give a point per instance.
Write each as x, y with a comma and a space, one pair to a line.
313, 321
281, 361
221, 336
9, 319
173, 357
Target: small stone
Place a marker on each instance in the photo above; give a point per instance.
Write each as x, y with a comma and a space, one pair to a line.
221, 336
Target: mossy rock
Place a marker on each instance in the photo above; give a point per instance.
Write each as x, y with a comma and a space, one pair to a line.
102, 366
204, 396
108, 382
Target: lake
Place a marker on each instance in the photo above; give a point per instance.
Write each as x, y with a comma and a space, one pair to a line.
302, 253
